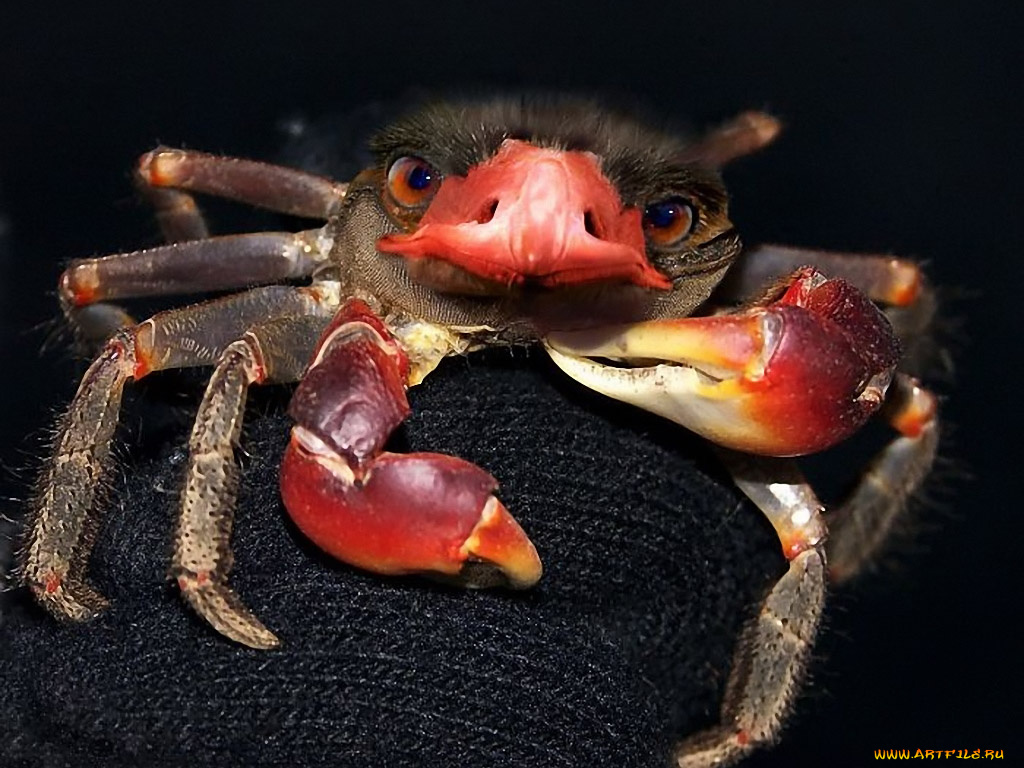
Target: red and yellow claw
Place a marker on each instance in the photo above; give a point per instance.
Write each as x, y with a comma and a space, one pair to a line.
415, 513
386, 512
789, 378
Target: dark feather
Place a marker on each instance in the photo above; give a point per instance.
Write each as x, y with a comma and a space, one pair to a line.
642, 163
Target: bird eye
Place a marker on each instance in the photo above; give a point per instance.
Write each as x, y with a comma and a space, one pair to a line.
667, 222
412, 181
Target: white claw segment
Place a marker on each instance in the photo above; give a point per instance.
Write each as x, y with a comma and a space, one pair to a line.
723, 347
706, 387
710, 407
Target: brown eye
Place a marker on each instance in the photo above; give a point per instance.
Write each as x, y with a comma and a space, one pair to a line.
667, 222
412, 181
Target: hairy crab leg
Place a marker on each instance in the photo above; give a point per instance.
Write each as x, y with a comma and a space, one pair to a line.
176, 212
863, 521
882, 278
167, 177
214, 264
274, 187
61, 534
385, 512
771, 654
789, 378
271, 352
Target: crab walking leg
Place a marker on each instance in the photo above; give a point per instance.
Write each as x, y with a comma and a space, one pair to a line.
272, 352
785, 379
882, 278
772, 651
743, 135
220, 263
385, 512
214, 264
176, 212
61, 535
163, 176
274, 187
194, 262
95, 324
861, 524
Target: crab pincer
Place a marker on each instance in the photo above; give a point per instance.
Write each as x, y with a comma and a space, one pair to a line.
785, 378
386, 512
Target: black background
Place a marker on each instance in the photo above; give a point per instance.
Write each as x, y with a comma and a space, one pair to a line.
902, 135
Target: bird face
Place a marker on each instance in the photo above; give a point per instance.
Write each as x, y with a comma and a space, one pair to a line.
491, 200
526, 214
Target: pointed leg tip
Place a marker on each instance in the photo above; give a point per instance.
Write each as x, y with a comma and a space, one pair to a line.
68, 602
224, 611
252, 635
264, 640
718, 746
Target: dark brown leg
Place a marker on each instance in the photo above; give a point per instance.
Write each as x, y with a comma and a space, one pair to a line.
61, 535
215, 264
176, 212
272, 352
93, 325
285, 190
861, 524
743, 135
884, 279
770, 662
167, 177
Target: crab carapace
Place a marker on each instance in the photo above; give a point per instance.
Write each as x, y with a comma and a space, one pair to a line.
495, 223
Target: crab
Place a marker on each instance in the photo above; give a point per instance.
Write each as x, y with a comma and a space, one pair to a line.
490, 223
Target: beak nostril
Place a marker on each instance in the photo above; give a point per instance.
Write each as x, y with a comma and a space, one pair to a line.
590, 224
487, 212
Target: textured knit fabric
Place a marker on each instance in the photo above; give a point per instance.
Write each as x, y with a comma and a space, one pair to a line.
650, 568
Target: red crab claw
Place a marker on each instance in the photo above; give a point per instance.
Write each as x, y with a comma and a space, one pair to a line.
789, 378
532, 213
386, 512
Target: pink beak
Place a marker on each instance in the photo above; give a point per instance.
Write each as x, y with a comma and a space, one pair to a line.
531, 213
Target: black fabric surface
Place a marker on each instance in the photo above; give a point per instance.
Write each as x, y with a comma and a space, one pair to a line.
651, 566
